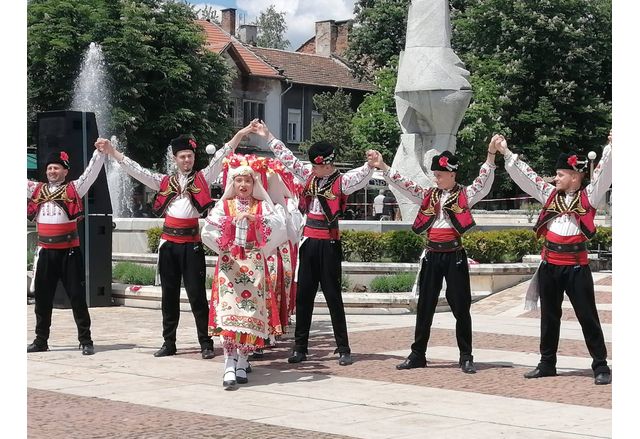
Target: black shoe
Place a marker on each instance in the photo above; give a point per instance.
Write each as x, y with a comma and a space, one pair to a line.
539, 373
229, 384
345, 359
207, 353
241, 379
603, 378
412, 363
37, 347
467, 366
87, 349
297, 357
165, 351
257, 354
249, 370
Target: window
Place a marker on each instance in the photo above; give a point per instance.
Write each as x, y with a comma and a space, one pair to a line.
315, 118
252, 110
233, 111
294, 125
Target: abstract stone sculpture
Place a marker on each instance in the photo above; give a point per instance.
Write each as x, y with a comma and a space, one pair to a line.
432, 94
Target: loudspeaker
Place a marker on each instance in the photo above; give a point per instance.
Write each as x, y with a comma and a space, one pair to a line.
76, 132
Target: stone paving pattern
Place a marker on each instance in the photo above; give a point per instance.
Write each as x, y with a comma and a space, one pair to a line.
55, 414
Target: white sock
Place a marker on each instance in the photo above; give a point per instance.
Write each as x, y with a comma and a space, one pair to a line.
229, 366
243, 362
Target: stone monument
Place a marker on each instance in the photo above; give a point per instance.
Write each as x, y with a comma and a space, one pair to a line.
432, 94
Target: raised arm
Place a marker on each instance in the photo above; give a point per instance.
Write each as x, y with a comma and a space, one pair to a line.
88, 177
282, 153
212, 171
410, 189
525, 177
602, 176
483, 182
143, 175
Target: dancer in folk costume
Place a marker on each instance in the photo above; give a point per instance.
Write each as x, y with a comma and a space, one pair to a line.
445, 214
243, 228
282, 263
567, 224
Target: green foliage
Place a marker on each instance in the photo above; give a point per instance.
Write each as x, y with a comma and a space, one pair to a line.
163, 80
271, 29
396, 283
378, 35
541, 73
375, 125
131, 273
501, 246
602, 240
404, 245
335, 126
345, 283
368, 245
153, 238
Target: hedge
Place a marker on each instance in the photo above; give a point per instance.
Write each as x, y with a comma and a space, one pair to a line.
396, 283
132, 273
153, 240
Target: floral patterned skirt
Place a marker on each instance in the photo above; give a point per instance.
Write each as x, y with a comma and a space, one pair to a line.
238, 307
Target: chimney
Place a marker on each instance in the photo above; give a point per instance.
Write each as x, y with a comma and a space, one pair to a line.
326, 35
229, 21
248, 34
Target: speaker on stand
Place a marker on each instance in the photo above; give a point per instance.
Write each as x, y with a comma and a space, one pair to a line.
76, 132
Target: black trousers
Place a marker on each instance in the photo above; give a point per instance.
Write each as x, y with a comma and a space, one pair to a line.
320, 263
66, 265
453, 267
577, 282
177, 262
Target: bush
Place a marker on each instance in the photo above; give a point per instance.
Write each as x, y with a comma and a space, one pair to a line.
602, 240
153, 240
348, 249
501, 246
368, 245
131, 273
404, 245
396, 283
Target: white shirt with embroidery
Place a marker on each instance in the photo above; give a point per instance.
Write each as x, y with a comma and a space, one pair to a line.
416, 193
50, 212
534, 185
352, 180
181, 206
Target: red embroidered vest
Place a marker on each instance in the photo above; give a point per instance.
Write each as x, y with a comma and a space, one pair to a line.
456, 207
333, 202
579, 207
65, 196
197, 189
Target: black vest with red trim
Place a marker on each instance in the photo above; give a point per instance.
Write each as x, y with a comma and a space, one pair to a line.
456, 207
65, 196
333, 203
197, 189
579, 207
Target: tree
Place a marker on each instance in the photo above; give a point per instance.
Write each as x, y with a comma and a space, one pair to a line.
378, 34
163, 80
375, 124
540, 69
335, 126
271, 29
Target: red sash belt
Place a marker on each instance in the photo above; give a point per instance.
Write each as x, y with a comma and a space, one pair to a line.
63, 235
564, 257
443, 240
318, 227
181, 230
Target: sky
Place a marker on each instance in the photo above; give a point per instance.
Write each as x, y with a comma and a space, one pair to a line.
301, 15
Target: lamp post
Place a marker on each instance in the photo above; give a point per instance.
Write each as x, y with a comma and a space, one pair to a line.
591, 156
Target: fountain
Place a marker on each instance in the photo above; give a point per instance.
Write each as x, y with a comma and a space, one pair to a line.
91, 94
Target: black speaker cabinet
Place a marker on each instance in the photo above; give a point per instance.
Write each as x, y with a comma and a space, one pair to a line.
76, 132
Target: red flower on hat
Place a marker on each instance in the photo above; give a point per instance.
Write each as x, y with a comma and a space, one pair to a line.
234, 162
573, 161
64, 156
318, 160
192, 143
443, 162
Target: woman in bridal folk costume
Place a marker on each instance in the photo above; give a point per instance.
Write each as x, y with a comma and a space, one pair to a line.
243, 228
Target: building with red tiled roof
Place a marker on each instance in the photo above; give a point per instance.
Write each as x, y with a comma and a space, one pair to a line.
278, 86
